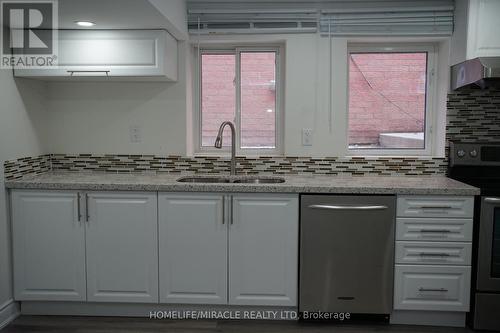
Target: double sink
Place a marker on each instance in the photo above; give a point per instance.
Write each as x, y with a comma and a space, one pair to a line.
231, 180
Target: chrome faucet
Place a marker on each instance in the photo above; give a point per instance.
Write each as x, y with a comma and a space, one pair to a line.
218, 143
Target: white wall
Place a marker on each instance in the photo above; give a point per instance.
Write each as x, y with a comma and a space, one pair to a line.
95, 117
175, 12
22, 122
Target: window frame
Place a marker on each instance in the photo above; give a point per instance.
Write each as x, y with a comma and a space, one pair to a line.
279, 89
431, 90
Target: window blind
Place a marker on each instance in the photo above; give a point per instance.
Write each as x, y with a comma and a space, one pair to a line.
215, 16
335, 17
423, 20
252, 21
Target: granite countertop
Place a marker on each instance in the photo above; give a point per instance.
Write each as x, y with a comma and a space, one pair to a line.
438, 185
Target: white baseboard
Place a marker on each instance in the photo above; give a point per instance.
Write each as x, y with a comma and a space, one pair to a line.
8, 312
428, 318
143, 310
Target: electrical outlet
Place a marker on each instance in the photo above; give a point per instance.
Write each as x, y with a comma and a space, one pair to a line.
307, 137
135, 133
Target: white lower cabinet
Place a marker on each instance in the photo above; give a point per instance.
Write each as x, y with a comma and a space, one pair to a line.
77, 246
263, 250
48, 246
143, 247
122, 247
433, 253
228, 249
193, 249
432, 288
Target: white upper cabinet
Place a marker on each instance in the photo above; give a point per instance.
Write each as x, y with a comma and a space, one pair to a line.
107, 54
476, 30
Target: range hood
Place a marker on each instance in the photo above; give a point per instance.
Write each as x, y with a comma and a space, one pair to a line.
480, 72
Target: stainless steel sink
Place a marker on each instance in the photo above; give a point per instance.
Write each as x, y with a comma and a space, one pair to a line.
204, 180
226, 180
259, 180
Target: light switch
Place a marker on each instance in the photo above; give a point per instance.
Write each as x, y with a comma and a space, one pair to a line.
307, 137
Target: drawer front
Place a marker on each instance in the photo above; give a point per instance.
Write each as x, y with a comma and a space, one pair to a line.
435, 206
433, 253
432, 288
434, 229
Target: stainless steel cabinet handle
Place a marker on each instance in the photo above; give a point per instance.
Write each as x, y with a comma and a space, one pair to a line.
223, 210
438, 231
87, 207
71, 73
436, 207
443, 290
78, 199
345, 207
492, 200
423, 254
231, 210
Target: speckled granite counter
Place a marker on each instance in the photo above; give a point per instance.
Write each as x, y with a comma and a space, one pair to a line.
293, 184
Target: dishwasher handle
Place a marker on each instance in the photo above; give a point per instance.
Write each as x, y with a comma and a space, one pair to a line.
348, 207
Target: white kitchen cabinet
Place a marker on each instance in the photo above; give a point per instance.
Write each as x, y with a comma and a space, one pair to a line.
122, 247
263, 249
111, 54
433, 253
432, 288
476, 30
77, 246
244, 243
435, 206
48, 246
434, 229
193, 248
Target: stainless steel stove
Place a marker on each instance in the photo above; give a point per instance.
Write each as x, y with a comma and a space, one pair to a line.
478, 164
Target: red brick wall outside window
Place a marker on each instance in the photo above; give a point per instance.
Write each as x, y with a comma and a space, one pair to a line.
258, 97
387, 94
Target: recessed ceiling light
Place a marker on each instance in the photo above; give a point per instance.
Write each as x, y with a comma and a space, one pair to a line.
85, 23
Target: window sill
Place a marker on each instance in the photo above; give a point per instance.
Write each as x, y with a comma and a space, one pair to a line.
227, 154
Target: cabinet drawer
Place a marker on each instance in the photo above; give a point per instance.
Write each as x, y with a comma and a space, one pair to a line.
435, 206
434, 229
434, 253
434, 288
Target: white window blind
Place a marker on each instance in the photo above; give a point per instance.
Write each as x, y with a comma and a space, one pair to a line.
336, 17
419, 19
243, 17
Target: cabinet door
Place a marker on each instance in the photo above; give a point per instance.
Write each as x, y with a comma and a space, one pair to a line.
193, 248
122, 247
483, 38
432, 288
111, 53
48, 246
263, 250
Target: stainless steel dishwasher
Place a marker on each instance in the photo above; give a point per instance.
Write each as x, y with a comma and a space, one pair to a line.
347, 254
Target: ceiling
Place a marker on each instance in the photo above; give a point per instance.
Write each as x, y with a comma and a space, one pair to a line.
111, 14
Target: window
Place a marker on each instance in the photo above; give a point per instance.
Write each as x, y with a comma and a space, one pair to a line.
389, 99
241, 85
